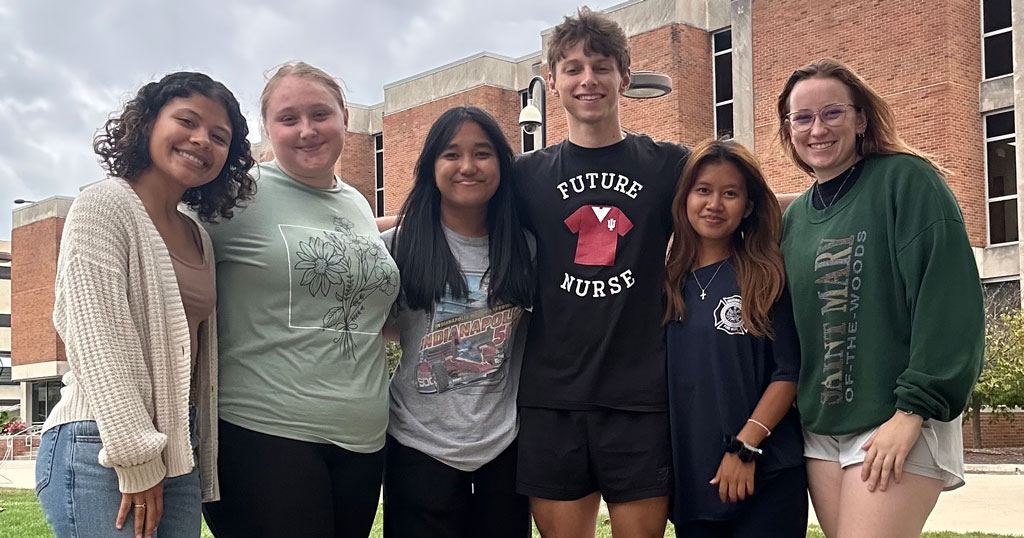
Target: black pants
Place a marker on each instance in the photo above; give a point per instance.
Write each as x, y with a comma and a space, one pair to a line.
281, 488
778, 510
425, 498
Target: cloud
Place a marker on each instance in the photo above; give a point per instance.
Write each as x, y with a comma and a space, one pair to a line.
64, 69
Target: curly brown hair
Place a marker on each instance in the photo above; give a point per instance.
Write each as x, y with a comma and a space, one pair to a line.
599, 34
123, 143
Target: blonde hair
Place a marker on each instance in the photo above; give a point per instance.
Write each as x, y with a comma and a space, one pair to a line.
879, 138
304, 70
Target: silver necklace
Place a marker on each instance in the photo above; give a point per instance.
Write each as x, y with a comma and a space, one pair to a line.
704, 289
817, 188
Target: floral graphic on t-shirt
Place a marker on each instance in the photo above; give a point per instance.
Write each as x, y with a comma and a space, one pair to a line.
351, 266
322, 263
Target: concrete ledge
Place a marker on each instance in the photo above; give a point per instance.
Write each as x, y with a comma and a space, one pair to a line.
52, 207
39, 370
994, 468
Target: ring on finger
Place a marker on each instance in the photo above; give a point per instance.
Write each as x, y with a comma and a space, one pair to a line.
142, 505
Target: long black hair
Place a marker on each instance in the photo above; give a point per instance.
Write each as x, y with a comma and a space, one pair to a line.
428, 267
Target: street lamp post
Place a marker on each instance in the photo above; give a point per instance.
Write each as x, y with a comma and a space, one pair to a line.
530, 118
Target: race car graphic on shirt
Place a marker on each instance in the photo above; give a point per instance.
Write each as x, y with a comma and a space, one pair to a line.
599, 229
467, 342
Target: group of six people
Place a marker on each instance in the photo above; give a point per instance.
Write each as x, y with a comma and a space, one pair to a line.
229, 359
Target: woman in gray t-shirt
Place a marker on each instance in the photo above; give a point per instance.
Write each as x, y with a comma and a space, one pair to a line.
467, 279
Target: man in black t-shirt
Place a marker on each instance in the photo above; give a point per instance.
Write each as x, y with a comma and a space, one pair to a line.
593, 391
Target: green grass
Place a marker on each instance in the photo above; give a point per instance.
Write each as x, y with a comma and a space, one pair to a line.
23, 518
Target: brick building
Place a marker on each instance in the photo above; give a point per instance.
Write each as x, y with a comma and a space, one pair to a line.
37, 354
10, 398
947, 70
946, 67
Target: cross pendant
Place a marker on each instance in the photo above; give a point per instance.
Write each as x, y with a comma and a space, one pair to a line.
703, 294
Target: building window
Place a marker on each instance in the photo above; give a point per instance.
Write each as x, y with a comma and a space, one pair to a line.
529, 140
378, 170
45, 395
997, 38
721, 71
5, 272
1001, 175
5, 320
5, 369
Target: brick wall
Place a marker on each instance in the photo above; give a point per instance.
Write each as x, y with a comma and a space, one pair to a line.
355, 166
925, 59
33, 271
1002, 433
20, 444
405, 131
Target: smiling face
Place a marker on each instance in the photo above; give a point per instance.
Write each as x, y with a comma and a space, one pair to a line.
467, 171
307, 128
717, 204
189, 141
589, 87
827, 149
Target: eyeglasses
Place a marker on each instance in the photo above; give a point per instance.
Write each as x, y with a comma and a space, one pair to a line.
831, 115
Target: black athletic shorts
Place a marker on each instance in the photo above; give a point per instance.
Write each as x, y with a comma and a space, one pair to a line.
566, 455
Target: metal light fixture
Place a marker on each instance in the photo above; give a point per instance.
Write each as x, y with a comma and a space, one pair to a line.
648, 85
530, 117
24, 201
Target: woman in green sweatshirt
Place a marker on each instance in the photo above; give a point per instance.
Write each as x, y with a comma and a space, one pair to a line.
888, 308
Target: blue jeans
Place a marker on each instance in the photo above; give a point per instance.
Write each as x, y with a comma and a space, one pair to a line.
80, 497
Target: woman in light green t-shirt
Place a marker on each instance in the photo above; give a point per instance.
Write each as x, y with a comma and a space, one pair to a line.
305, 285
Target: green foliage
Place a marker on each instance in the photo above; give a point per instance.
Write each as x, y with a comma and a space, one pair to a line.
394, 354
1001, 385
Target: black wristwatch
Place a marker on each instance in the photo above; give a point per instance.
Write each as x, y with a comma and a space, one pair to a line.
746, 453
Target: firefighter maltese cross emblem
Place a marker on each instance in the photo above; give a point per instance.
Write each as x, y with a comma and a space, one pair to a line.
729, 315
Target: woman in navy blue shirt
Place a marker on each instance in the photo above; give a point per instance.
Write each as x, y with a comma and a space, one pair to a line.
733, 355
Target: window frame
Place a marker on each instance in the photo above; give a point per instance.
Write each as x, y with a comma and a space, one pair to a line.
716, 105
985, 35
988, 199
378, 174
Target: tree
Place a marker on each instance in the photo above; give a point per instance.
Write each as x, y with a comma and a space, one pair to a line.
1001, 384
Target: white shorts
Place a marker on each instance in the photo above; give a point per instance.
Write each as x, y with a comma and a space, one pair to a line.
938, 452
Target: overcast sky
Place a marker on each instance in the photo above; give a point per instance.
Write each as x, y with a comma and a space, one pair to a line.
66, 65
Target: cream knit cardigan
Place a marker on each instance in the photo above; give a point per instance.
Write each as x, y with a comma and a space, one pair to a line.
119, 312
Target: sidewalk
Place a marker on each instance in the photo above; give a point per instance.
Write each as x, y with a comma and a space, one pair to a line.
19, 474
992, 501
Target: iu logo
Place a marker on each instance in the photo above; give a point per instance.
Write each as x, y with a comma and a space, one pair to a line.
599, 229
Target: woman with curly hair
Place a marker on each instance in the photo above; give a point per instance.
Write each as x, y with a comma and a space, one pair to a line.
132, 443
305, 285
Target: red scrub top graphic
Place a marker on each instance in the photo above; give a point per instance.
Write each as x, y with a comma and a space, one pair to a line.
599, 228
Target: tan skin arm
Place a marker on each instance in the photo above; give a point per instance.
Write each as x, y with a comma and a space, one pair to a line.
735, 479
386, 223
